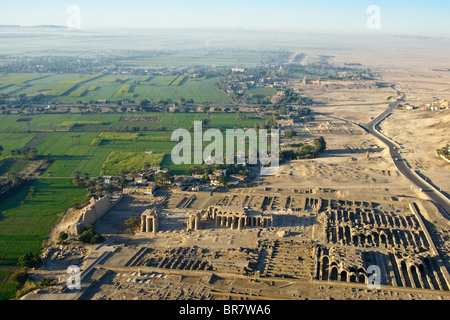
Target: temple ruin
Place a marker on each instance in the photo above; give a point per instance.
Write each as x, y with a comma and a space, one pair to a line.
238, 217
194, 221
149, 221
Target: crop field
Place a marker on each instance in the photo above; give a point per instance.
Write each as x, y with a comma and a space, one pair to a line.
10, 141
125, 92
19, 78
25, 221
111, 122
177, 87
43, 84
12, 166
16, 83
72, 154
75, 88
201, 57
91, 138
80, 123
256, 93
130, 136
82, 90
117, 161
61, 88
145, 78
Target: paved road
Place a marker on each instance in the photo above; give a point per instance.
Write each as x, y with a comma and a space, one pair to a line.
439, 199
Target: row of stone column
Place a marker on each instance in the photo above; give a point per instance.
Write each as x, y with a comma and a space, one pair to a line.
379, 220
194, 222
236, 222
419, 276
230, 222
345, 235
260, 221
149, 223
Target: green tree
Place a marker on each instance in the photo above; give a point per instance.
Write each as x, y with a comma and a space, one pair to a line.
320, 144
29, 260
62, 237
307, 149
289, 133
133, 223
46, 282
223, 180
91, 236
205, 178
161, 178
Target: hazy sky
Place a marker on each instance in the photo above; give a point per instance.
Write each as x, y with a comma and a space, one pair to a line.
348, 16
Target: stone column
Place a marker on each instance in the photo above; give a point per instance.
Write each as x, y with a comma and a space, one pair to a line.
155, 224
149, 224
223, 221
216, 220
196, 222
143, 222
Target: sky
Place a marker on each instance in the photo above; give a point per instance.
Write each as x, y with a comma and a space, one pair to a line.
413, 17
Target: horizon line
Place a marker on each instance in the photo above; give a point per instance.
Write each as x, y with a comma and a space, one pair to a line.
377, 33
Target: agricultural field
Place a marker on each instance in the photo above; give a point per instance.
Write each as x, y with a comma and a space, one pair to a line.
10, 141
15, 83
255, 93
125, 92
88, 139
209, 57
178, 81
42, 83
63, 87
71, 124
76, 88
130, 161
82, 90
130, 136
12, 166
26, 219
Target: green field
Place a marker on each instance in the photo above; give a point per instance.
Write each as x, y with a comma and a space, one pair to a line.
63, 87
25, 222
256, 93
12, 166
96, 144
80, 123
129, 136
92, 137
130, 161
203, 57
121, 144
17, 82
75, 88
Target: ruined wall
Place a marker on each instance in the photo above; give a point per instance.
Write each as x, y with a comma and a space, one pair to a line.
91, 213
96, 210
